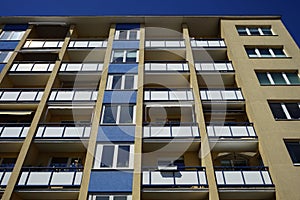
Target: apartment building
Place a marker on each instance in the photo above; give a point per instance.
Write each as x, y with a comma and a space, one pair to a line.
149, 108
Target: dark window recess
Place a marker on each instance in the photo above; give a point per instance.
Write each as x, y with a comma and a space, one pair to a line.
294, 150
110, 114
107, 156
277, 111
293, 109
263, 78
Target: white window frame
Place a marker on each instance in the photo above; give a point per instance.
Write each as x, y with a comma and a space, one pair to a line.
110, 197
99, 151
123, 78
118, 113
125, 55
12, 34
117, 35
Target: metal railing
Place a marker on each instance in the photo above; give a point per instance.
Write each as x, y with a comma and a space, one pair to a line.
5, 173
87, 44
14, 130
243, 176
214, 66
73, 95
164, 43
231, 130
36, 66
208, 43
159, 130
21, 95
222, 94
45, 44
81, 67
183, 177
172, 94
166, 66
50, 176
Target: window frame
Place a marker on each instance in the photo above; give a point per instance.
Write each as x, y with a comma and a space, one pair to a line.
291, 153
110, 79
11, 34
7, 57
124, 58
271, 78
259, 30
99, 152
284, 110
258, 53
117, 118
117, 34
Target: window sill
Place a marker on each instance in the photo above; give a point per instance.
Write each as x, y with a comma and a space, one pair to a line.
297, 164
287, 119
280, 84
258, 35
287, 57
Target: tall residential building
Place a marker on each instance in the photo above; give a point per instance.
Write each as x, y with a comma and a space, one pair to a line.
149, 108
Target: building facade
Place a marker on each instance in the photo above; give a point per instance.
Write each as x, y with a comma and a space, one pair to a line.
150, 108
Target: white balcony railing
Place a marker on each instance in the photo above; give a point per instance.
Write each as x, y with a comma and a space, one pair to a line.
88, 44
63, 131
210, 66
20, 95
221, 95
73, 95
4, 176
50, 177
169, 95
183, 130
231, 131
45, 44
164, 43
208, 43
166, 67
32, 67
13, 130
81, 67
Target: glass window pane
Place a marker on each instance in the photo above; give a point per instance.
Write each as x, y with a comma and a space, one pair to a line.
131, 56
118, 56
110, 114
267, 31
278, 78
277, 111
133, 35
242, 31
129, 82
263, 78
293, 109
294, 151
107, 156
251, 53
5, 35
116, 83
293, 78
265, 53
126, 114
254, 31
279, 52
102, 197
123, 156
123, 35
120, 198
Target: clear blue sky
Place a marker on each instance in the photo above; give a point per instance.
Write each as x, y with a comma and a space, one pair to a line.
288, 9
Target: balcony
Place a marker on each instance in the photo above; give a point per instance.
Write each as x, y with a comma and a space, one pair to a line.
165, 44
208, 43
43, 44
189, 182
13, 130
166, 67
5, 173
78, 95
79, 44
33, 67
161, 94
244, 183
81, 67
21, 95
220, 66
232, 137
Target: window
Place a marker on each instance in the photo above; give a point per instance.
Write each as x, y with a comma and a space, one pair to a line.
121, 82
285, 110
265, 52
114, 156
118, 114
12, 35
125, 56
110, 197
127, 34
65, 162
7, 162
293, 148
4, 56
278, 78
242, 30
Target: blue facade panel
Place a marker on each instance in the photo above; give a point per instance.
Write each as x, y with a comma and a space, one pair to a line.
15, 27
8, 45
127, 26
116, 133
123, 68
2, 65
111, 181
120, 96
126, 44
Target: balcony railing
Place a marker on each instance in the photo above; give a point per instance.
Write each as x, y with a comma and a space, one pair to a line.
185, 177
81, 67
208, 43
214, 66
5, 173
32, 67
45, 44
182, 130
21, 95
62, 131
222, 95
231, 130
243, 177
50, 176
168, 95
164, 43
13, 130
73, 95
88, 44
166, 67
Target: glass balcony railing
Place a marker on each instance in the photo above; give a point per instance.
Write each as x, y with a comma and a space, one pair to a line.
173, 94
222, 95
44, 44
14, 130
231, 130
182, 130
166, 66
87, 44
50, 176
184, 178
164, 43
81, 67
73, 95
21, 95
32, 67
243, 177
5, 173
213, 66
207, 43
